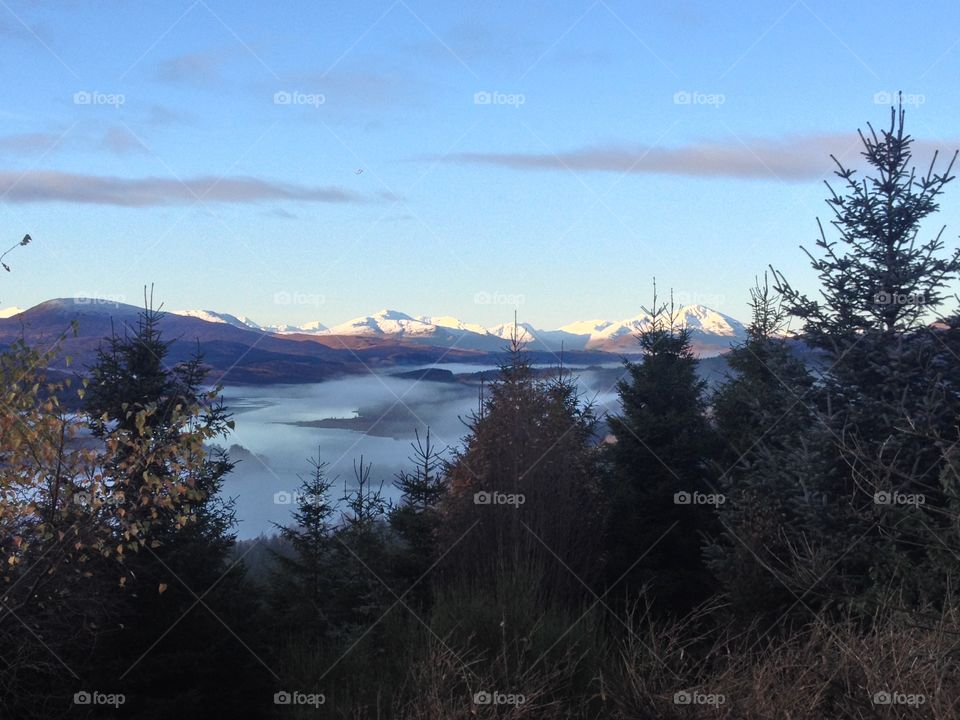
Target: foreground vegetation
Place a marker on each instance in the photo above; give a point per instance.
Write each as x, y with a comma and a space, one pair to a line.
787, 546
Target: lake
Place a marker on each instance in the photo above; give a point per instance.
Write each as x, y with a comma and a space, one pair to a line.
273, 437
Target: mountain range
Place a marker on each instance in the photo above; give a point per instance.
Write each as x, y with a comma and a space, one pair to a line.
240, 351
712, 332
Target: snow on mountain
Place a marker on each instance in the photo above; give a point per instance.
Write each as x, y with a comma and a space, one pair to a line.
218, 317
711, 331
448, 321
10, 312
383, 322
586, 327
311, 328
707, 328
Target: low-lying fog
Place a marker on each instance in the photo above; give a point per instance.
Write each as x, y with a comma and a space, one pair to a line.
277, 430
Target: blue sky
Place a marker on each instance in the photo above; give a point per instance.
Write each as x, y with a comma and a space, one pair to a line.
240, 155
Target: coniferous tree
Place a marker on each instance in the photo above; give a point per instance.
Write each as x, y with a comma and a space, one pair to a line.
416, 519
658, 483
765, 428
523, 491
360, 555
888, 390
302, 583
183, 607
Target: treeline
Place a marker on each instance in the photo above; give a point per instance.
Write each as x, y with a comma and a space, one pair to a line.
786, 545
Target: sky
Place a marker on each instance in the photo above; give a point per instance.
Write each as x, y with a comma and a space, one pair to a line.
302, 161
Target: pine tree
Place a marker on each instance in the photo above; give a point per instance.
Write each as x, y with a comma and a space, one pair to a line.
416, 519
888, 390
523, 491
658, 460
360, 555
157, 424
765, 427
302, 583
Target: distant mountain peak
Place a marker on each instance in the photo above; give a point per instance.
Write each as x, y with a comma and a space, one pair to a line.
711, 331
10, 312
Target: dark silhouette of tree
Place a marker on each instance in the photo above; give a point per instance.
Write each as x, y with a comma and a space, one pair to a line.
302, 582
416, 519
658, 480
888, 392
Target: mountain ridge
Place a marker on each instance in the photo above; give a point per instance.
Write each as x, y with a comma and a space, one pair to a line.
712, 332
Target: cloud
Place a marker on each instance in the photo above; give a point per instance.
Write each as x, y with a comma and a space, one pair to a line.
53, 186
791, 159
198, 67
161, 115
122, 142
29, 143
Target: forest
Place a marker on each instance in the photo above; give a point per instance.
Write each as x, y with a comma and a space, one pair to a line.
786, 545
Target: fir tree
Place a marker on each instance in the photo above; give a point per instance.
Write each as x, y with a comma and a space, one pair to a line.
302, 584
416, 519
658, 459
888, 390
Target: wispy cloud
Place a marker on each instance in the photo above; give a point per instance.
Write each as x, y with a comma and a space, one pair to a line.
53, 186
197, 67
122, 142
795, 158
29, 143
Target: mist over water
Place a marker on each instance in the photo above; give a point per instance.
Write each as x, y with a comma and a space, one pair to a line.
270, 451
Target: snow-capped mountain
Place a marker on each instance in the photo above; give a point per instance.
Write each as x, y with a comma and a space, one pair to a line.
218, 317
241, 321
10, 312
706, 326
711, 331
